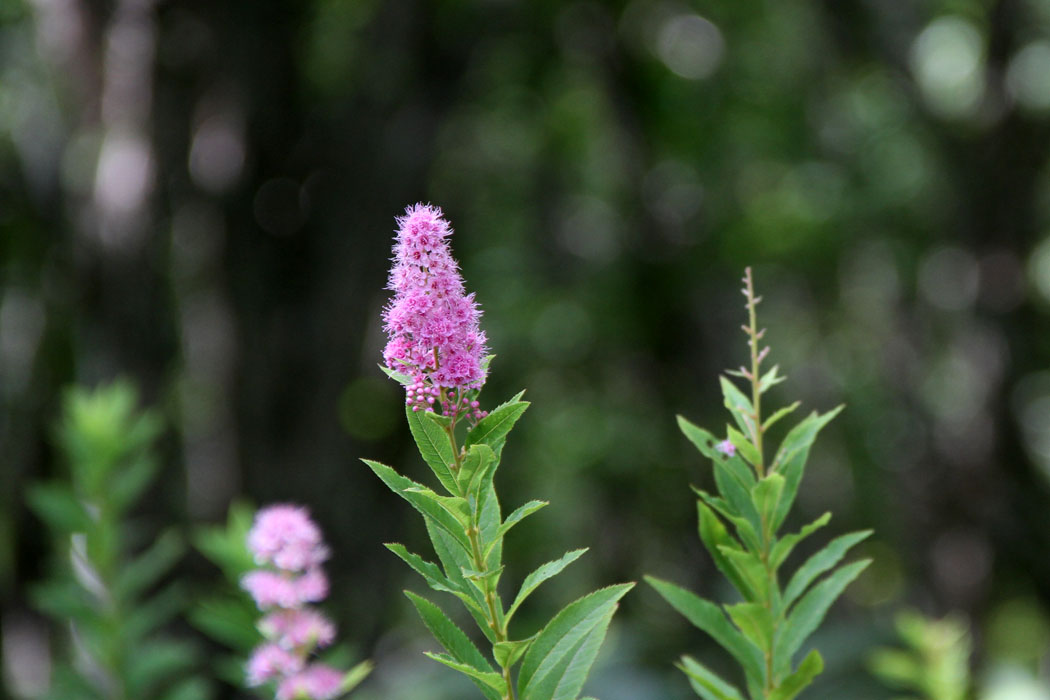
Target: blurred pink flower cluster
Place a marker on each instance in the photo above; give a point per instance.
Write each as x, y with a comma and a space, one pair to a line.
289, 544
432, 324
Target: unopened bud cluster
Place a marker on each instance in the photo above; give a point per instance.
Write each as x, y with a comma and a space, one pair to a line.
288, 544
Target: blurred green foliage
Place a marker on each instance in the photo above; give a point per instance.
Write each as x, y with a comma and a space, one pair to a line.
111, 602
201, 196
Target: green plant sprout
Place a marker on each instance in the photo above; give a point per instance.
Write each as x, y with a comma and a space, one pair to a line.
936, 663
101, 592
767, 629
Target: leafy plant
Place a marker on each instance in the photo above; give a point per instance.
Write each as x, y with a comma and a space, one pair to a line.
435, 352
102, 592
765, 631
935, 665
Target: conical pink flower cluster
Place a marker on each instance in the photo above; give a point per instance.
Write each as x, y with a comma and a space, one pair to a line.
289, 544
432, 324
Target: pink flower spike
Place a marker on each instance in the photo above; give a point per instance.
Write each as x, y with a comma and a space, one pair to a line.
726, 447
316, 682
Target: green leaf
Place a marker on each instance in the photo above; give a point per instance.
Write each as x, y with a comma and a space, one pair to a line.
738, 405
128, 483
478, 468
144, 571
492, 429
782, 549
147, 616
483, 679
59, 508
744, 446
709, 617
703, 440
435, 448
156, 661
513, 519
791, 458
230, 620
541, 574
454, 641
794, 684
354, 676
778, 414
193, 688
420, 498
744, 529
716, 539
736, 491
399, 377
706, 684
769, 380
508, 653
808, 613
455, 560
820, 562
750, 568
556, 665
489, 522
755, 621
430, 572
766, 495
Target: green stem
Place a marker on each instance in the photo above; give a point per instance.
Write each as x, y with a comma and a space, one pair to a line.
481, 566
756, 360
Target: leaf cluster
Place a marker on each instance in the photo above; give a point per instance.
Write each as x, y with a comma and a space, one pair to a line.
467, 530
935, 665
113, 601
740, 526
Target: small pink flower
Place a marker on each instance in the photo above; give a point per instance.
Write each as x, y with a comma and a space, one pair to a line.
269, 661
270, 589
298, 628
284, 535
315, 682
312, 586
726, 447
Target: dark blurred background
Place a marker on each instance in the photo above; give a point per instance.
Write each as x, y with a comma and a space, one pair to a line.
200, 195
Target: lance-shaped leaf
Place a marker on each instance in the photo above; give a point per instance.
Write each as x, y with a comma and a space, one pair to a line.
508, 653
420, 498
709, 617
454, 641
430, 572
541, 574
794, 684
399, 377
744, 529
755, 621
778, 414
57, 505
556, 664
479, 465
716, 539
144, 571
492, 429
703, 440
766, 495
489, 522
744, 446
513, 519
784, 546
435, 447
739, 405
791, 458
750, 568
808, 613
354, 676
820, 562
490, 679
769, 379
706, 683
455, 561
